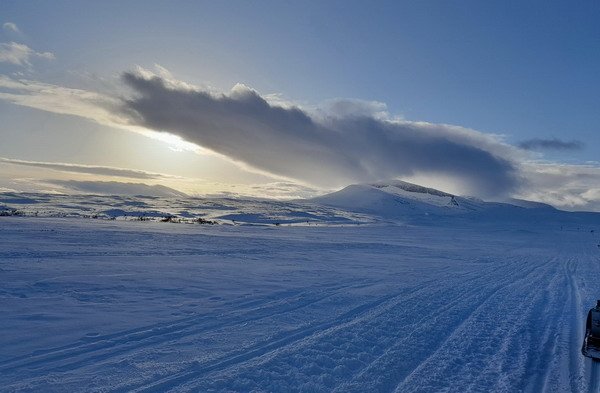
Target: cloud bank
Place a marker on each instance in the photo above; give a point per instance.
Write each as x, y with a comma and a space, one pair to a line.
328, 151
87, 169
570, 187
550, 144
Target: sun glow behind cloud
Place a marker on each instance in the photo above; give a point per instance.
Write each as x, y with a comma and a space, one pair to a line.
175, 143
66, 178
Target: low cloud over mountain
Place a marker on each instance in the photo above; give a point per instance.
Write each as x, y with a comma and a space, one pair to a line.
321, 150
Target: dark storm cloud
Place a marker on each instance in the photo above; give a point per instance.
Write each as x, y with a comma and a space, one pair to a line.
550, 144
321, 150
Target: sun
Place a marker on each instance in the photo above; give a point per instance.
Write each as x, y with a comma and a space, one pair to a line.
175, 142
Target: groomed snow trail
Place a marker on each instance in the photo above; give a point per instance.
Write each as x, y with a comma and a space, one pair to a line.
150, 307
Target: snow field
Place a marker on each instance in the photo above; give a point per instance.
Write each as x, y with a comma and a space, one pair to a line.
142, 306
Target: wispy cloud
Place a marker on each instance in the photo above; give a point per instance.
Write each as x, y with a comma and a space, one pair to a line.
58, 99
11, 27
21, 54
550, 144
118, 188
283, 190
88, 169
349, 146
101, 108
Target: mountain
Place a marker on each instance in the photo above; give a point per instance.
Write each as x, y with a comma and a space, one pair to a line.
396, 199
529, 204
391, 202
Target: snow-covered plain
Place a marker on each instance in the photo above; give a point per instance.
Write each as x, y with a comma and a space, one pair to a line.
401, 295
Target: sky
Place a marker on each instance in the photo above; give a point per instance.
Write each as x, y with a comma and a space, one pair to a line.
286, 100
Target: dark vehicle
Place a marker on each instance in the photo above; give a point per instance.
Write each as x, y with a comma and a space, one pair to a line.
591, 342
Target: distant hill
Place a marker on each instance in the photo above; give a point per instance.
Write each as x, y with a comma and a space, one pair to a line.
394, 199
120, 188
391, 202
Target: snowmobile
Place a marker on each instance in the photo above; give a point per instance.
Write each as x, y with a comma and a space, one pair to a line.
591, 342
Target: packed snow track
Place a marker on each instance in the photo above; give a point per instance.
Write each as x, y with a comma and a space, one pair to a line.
112, 306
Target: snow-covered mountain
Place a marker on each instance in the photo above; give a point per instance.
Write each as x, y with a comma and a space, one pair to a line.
390, 201
396, 197
399, 200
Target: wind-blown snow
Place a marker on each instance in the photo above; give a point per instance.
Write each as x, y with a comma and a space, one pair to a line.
486, 299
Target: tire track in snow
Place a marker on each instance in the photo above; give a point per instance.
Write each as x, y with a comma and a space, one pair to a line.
468, 286
575, 330
364, 329
446, 356
198, 370
127, 333
514, 360
566, 368
543, 361
559, 364
479, 340
278, 344
178, 335
394, 363
118, 343
506, 360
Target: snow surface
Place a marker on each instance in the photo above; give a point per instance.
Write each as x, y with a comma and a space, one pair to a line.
364, 299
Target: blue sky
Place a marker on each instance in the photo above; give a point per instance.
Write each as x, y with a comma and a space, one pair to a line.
515, 71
